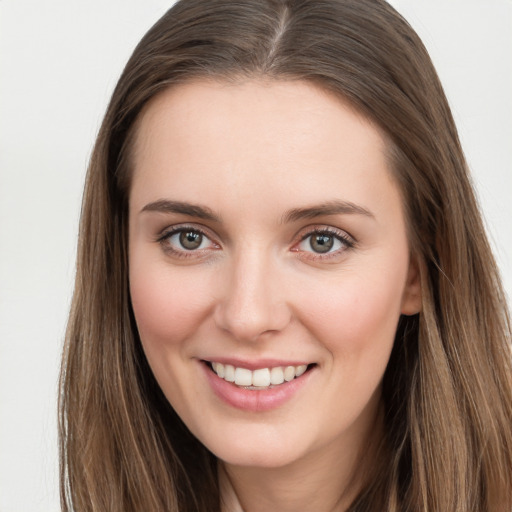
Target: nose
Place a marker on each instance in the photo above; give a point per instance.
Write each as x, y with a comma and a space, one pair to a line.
253, 301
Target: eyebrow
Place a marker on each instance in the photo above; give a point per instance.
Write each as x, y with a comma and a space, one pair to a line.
192, 210
203, 212
328, 208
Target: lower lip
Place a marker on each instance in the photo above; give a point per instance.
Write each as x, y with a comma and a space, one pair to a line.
255, 400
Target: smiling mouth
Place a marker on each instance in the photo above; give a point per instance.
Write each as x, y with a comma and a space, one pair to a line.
260, 379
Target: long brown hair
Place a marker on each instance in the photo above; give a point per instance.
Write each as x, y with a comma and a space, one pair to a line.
447, 390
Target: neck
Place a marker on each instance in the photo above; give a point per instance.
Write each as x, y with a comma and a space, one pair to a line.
324, 481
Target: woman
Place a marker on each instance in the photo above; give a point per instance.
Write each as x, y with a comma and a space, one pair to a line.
285, 297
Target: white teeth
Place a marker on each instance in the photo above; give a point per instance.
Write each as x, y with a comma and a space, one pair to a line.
229, 372
243, 377
221, 370
289, 373
276, 376
299, 370
261, 378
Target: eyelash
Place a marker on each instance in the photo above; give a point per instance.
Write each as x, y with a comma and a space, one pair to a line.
346, 241
164, 238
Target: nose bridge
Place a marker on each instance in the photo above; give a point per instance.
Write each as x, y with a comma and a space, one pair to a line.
252, 303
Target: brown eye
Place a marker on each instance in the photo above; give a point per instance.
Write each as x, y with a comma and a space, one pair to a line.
190, 240
321, 242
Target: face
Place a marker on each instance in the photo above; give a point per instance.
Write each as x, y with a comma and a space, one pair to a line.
267, 246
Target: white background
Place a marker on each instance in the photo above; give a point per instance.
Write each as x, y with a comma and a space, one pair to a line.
59, 61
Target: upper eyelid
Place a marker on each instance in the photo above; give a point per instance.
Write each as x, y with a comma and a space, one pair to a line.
322, 228
176, 228
333, 231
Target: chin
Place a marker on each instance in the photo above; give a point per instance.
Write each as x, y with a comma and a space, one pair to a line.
268, 459
263, 449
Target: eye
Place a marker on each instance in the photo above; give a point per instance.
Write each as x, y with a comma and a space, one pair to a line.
182, 240
320, 242
188, 240
325, 242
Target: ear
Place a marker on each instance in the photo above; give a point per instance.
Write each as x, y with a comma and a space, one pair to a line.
411, 298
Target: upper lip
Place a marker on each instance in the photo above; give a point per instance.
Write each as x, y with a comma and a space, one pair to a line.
255, 364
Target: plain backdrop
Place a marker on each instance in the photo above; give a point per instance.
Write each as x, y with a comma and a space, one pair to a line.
59, 61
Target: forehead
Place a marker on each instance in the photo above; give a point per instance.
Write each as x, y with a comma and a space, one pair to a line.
256, 138
260, 106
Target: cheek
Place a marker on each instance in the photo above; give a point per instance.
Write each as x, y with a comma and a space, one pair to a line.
357, 314
167, 305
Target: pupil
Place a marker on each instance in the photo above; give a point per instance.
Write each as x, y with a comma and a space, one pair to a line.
322, 243
190, 239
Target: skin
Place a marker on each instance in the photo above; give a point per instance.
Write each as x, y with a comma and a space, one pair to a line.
251, 153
